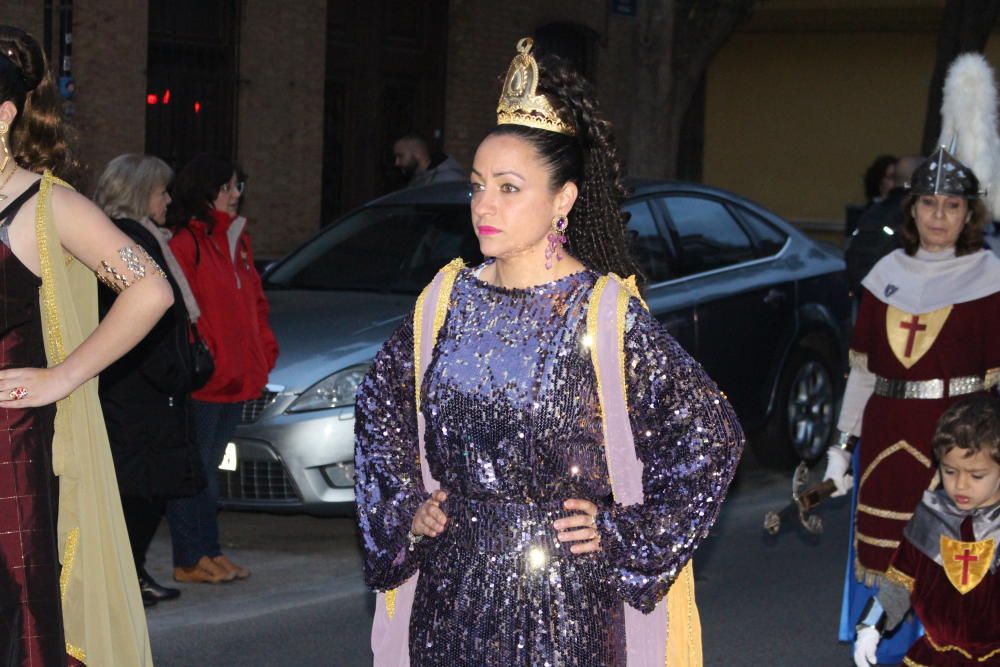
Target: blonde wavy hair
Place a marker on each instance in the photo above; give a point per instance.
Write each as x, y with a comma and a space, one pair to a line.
124, 188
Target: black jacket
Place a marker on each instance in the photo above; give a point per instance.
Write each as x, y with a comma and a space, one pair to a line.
877, 235
144, 396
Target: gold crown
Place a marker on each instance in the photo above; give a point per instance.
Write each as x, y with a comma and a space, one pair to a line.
519, 105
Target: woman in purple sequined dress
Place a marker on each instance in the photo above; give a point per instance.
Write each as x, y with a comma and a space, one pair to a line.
524, 556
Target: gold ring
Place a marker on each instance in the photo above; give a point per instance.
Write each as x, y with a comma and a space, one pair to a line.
17, 393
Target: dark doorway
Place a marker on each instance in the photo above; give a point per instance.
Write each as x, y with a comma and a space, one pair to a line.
385, 76
191, 79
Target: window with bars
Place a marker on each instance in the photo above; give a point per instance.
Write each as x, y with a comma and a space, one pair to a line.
192, 72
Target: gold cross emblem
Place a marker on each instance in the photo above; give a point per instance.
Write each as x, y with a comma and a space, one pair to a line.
912, 335
966, 563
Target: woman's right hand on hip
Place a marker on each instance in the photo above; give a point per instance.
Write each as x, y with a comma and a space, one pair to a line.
430, 519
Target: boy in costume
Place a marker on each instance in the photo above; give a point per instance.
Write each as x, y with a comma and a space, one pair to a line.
945, 569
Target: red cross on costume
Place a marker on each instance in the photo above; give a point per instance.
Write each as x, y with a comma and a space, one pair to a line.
913, 326
966, 559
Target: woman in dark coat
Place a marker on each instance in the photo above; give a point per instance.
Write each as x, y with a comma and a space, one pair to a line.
145, 394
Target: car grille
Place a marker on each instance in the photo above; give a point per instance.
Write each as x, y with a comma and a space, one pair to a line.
256, 480
255, 406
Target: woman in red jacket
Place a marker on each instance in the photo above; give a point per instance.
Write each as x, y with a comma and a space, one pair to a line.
213, 250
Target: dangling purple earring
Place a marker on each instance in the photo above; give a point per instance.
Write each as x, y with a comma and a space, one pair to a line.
557, 237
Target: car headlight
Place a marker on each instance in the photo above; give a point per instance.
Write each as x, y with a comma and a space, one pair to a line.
333, 391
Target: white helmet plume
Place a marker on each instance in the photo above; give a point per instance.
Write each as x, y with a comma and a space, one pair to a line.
969, 120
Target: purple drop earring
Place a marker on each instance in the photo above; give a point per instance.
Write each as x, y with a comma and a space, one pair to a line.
557, 237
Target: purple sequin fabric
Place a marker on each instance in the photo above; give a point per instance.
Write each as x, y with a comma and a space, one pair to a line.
513, 429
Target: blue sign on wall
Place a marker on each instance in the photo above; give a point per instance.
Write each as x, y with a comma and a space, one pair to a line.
624, 7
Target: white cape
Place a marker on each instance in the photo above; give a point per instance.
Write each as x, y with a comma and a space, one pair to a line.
932, 280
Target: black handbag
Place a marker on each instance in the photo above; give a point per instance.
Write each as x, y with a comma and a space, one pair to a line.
202, 364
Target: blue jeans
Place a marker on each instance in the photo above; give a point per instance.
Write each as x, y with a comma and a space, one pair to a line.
194, 526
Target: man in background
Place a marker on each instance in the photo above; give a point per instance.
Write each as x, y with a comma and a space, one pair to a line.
415, 160
875, 236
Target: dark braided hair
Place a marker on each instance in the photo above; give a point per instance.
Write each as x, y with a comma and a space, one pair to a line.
596, 233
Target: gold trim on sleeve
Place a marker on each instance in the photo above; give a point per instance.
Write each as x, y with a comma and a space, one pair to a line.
876, 541
897, 577
885, 514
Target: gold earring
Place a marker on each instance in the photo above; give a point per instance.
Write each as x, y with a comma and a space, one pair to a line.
4, 129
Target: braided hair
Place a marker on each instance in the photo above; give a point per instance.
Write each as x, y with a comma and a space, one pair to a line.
596, 233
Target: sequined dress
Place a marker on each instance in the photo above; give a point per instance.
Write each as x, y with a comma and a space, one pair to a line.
513, 430
30, 617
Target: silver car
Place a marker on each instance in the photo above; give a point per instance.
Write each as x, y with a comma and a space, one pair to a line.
711, 259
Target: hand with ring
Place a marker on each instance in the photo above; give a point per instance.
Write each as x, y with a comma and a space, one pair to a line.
32, 387
580, 527
430, 520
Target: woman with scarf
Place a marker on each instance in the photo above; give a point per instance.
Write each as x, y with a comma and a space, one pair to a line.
145, 393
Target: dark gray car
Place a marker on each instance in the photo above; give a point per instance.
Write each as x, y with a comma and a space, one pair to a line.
761, 306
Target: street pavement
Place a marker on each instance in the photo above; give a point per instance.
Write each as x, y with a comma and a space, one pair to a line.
763, 601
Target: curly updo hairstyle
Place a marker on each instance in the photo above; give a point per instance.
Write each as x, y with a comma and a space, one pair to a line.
596, 233
39, 139
970, 239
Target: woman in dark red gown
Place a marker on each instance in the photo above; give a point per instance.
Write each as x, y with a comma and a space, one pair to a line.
28, 558
66, 594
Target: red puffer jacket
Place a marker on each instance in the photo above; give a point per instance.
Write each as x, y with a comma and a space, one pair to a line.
219, 267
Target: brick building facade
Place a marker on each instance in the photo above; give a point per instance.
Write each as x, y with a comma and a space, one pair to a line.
279, 111
320, 88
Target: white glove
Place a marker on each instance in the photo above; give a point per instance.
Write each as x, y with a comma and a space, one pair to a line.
865, 646
838, 462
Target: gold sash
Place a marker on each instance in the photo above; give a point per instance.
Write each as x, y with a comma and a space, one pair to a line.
103, 618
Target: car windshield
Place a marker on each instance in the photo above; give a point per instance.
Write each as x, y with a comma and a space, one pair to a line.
381, 249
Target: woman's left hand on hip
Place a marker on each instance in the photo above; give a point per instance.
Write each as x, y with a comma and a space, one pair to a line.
32, 387
580, 527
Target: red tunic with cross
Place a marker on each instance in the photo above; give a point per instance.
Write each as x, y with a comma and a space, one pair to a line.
962, 629
896, 462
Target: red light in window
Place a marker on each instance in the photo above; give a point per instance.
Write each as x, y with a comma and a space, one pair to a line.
166, 96
197, 107
151, 98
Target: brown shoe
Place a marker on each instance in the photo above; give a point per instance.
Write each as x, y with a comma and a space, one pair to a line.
230, 567
202, 572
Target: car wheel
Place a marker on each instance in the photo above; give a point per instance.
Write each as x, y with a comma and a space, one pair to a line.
803, 419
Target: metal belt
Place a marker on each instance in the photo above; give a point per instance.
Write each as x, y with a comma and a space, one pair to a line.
937, 388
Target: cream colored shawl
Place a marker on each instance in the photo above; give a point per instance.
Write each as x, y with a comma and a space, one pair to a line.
103, 617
